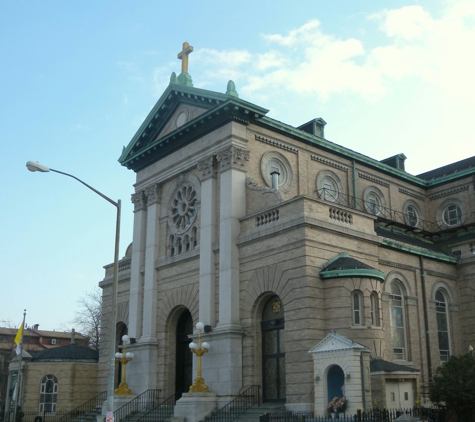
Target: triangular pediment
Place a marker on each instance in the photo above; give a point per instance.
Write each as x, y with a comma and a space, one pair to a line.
181, 115
333, 342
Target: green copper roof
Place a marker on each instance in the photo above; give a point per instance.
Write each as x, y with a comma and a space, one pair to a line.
146, 148
345, 266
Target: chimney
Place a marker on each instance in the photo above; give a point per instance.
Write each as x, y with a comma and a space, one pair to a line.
35, 327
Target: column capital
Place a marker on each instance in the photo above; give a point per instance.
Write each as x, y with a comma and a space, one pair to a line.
153, 194
233, 158
139, 200
207, 167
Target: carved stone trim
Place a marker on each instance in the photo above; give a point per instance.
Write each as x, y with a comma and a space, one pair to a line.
207, 167
276, 144
440, 275
373, 179
153, 194
411, 193
448, 192
139, 200
327, 162
233, 157
397, 265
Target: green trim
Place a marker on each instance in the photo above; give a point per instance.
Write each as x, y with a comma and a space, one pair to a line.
421, 252
363, 273
360, 158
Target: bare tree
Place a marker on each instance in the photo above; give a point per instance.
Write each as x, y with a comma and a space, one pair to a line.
88, 317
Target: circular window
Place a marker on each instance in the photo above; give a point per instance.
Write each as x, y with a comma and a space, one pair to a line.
374, 201
275, 161
183, 208
412, 214
329, 187
451, 213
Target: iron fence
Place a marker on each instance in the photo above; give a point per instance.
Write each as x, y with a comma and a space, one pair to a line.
374, 415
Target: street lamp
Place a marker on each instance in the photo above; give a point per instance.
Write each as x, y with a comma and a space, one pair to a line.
36, 166
124, 358
199, 350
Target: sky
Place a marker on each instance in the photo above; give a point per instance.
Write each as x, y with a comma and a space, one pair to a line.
77, 78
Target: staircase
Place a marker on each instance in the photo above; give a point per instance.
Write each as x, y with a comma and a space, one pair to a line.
86, 412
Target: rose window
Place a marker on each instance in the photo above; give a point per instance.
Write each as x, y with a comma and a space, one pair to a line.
183, 209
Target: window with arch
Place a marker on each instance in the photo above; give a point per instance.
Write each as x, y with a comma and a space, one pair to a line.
275, 161
329, 186
48, 394
451, 213
442, 325
357, 304
398, 329
374, 309
374, 202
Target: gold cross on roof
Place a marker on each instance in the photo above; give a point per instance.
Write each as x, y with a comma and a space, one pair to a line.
183, 56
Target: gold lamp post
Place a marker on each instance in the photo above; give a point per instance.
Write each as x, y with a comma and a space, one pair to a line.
124, 358
199, 350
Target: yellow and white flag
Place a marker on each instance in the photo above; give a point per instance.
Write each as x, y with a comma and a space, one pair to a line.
18, 339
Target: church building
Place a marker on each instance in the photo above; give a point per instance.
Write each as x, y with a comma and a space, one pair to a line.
317, 271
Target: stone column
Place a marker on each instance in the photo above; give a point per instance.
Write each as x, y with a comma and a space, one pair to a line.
138, 256
151, 255
232, 200
143, 376
222, 369
207, 311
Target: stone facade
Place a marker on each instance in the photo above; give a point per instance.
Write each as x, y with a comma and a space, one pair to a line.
212, 237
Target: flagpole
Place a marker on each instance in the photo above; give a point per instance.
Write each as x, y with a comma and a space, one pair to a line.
18, 395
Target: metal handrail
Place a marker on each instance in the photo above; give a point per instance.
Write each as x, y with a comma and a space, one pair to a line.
389, 215
237, 406
141, 403
162, 411
85, 408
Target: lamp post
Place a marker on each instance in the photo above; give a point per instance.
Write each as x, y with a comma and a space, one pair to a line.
124, 358
199, 350
35, 166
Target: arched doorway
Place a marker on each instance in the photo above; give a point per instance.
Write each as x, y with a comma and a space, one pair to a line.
335, 381
273, 351
184, 357
121, 330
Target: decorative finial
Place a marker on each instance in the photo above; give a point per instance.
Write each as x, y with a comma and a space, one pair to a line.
183, 56
173, 78
231, 89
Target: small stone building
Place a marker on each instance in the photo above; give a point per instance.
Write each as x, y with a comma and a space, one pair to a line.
55, 380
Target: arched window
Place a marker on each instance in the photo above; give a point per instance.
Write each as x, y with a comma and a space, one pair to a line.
374, 309
179, 246
48, 394
398, 330
194, 237
442, 325
187, 243
172, 245
357, 303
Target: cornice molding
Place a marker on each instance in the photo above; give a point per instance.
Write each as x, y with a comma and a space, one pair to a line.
328, 162
448, 192
276, 144
397, 265
412, 193
373, 179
